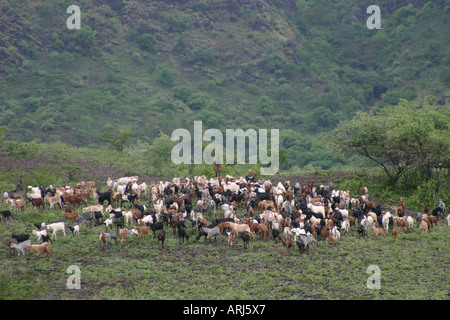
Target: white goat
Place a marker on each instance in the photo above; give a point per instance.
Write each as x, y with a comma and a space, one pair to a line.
335, 232
21, 246
55, 227
316, 209
40, 233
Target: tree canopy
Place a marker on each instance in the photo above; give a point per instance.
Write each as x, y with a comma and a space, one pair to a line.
397, 138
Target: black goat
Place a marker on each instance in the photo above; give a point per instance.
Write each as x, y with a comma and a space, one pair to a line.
182, 234
156, 226
6, 214
20, 237
246, 238
129, 198
361, 230
104, 196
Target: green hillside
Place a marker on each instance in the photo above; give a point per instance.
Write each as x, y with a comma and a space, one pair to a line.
147, 68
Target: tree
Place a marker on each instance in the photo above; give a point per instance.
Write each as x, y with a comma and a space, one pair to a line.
147, 42
397, 138
119, 141
85, 37
165, 75
203, 54
2, 136
265, 105
158, 156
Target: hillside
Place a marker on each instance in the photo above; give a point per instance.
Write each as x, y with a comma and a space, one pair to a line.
151, 67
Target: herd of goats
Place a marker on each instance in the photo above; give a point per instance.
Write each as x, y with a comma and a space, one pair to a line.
292, 214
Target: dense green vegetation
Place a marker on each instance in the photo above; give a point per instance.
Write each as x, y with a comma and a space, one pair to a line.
299, 66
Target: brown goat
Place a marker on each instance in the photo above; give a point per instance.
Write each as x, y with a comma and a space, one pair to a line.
161, 238
401, 223
70, 216
123, 235
41, 248
423, 226
142, 231
394, 233
325, 232
264, 231
378, 231
286, 242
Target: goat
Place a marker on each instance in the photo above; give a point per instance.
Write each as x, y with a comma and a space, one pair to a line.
246, 239
20, 237
93, 208
108, 223
409, 223
20, 247
142, 231
161, 238
378, 231
74, 199
123, 234
92, 216
264, 232
304, 241
237, 229
6, 214
401, 223
75, 229
156, 226
361, 230
287, 243
209, 233
182, 234
108, 236
335, 233
39, 234
394, 233
128, 198
70, 216
433, 220
55, 227
325, 233
423, 226
41, 248
17, 204
37, 203
53, 201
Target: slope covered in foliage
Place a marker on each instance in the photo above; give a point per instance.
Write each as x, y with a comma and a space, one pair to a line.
147, 68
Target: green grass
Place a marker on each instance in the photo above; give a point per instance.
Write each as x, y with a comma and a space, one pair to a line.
413, 266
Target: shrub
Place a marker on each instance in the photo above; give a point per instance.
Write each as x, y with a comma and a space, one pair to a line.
31, 104
85, 37
165, 75
147, 42
265, 105
196, 101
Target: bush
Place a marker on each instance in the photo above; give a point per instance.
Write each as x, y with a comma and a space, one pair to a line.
196, 101
85, 37
444, 74
265, 106
182, 93
203, 54
165, 75
147, 42
31, 104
